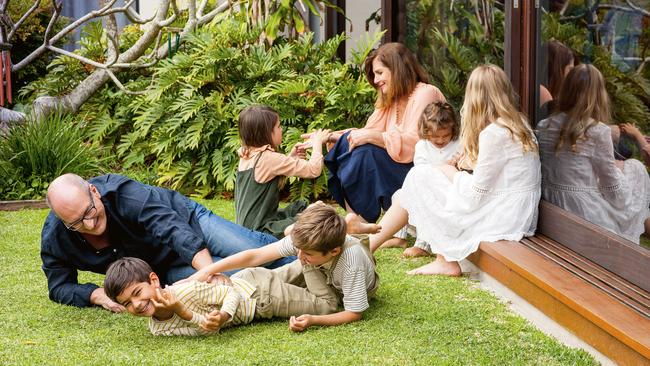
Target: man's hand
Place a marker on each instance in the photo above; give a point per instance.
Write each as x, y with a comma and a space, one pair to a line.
215, 320
99, 297
300, 323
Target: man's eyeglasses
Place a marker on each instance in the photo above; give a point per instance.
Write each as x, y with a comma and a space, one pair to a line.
90, 213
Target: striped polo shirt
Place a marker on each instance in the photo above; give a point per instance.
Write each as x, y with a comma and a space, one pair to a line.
201, 298
352, 277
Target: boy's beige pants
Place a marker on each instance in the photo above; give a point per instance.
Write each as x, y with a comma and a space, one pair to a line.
290, 290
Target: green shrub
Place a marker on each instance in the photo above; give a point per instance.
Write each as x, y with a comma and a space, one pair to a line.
185, 123
450, 40
34, 153
29, 36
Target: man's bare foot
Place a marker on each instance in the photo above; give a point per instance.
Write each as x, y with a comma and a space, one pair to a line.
357, 225
438, 267
414, 252
395, 243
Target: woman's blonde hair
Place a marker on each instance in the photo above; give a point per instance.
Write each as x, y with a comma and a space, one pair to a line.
406, 72
489, 98
585, 101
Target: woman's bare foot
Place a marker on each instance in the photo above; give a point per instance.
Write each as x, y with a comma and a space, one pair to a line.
438, 267
395, 243
357, 225
414, 252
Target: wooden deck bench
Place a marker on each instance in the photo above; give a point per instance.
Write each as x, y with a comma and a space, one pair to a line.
555, 271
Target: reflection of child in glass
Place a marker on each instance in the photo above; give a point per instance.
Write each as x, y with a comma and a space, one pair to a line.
198, 308
578, 166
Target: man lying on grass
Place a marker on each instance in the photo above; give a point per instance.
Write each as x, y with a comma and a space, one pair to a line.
319, 240
198, 308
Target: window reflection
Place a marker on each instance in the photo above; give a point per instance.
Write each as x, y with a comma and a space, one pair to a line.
593, 148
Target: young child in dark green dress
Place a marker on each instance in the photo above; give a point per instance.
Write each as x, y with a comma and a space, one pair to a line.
261, 166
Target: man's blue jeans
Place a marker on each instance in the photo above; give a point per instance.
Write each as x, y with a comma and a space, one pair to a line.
223, 238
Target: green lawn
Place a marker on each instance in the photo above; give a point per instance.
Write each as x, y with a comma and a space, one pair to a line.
413, 320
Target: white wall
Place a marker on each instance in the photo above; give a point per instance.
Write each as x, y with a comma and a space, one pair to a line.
358, 11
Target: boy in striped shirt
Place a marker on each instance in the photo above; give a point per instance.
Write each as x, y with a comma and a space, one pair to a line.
319, 240
195, 308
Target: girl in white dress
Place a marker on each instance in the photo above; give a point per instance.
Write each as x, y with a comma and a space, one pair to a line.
578, 166
438, 130
454, 210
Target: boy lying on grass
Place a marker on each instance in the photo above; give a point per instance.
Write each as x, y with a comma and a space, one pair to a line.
319, 240
198, 308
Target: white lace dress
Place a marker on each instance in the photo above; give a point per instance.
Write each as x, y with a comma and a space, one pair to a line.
499, 201
588, 183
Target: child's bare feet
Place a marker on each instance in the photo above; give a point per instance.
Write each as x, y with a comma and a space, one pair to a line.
438, 267
394, 243
414, 252
357, 225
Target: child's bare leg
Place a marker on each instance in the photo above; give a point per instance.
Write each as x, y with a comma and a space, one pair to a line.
357, 225
394, 219
439, 266
413, 252
646, 225
395, 242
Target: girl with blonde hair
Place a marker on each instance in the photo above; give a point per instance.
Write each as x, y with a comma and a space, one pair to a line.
491, 195
578, 166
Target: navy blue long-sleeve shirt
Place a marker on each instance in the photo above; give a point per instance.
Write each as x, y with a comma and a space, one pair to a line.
151, 223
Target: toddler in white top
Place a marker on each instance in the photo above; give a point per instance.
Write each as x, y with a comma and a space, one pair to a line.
438, 130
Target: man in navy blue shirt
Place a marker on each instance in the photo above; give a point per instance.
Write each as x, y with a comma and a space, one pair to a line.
95, 222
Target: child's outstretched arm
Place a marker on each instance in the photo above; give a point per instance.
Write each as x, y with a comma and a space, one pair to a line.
302, 322
244, 259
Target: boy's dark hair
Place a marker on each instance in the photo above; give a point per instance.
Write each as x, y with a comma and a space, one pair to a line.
123, 273
256, 125
435, 116
319, 228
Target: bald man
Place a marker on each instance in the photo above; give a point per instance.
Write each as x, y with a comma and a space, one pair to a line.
95, 222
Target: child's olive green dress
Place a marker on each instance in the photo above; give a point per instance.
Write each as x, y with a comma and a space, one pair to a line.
257, 204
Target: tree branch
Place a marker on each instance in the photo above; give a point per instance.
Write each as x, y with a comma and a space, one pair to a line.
637, 8
22, 19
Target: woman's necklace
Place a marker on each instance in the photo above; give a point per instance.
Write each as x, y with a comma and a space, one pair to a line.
399, 107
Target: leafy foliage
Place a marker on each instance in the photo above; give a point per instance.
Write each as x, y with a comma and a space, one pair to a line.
185, 123
451, 40
36, 152
29, 36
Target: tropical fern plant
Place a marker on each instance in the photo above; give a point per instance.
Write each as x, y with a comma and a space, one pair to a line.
451, 39
185, 123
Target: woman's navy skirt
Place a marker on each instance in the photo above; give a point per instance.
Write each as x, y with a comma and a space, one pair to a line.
365, 177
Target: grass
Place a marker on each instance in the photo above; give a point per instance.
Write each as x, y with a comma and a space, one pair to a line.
412, 321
